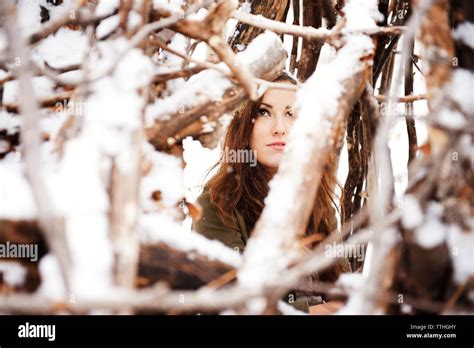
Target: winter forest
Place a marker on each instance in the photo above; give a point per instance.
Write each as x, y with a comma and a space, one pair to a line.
112, 119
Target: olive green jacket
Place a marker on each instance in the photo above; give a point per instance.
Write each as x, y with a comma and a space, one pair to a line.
235, 236
210, 225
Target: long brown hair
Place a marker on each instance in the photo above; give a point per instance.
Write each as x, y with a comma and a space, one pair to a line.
242, 188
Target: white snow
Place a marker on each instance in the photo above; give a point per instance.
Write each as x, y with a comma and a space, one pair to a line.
91, 253
160, 228
52, 122
51, 286
460, 88
355, 305
287, 309
412, 213
199, 16
105, 7
10, 122
406, 308
172, 62
107, 26
13, 273
256, 306
246, 7
114, 108
165, 5
209, 85
77, 182
352, 283
16, 198
134, 20
66, 47
450, 118
43, 87
59, 11
265, 42
113, 113
461, 245
465, 33
166, 176
466, 144
29, 19
78, 194
240, 47
198, 160
433, 231
360, 14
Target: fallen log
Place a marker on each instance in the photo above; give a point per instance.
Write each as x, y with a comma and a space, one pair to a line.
158, 262
182, 270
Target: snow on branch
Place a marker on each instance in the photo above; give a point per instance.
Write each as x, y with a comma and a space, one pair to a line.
324, 102
210, 90
89, 91
310, 33
50, 222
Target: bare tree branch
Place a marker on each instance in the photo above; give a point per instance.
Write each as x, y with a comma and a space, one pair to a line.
51, 224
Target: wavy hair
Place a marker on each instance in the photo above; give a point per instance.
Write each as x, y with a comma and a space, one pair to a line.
239, 187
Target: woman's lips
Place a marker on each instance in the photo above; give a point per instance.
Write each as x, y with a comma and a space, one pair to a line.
278, 145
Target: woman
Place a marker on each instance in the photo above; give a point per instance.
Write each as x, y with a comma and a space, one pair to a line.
233, 199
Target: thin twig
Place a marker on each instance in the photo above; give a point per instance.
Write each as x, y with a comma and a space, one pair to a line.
405, 99
44, 103
453, 299
206, 65
67, 19
307, 32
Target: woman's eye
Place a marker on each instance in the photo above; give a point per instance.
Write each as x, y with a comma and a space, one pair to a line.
263, 112
290, 113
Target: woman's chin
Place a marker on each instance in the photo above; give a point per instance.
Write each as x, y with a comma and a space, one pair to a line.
273, 162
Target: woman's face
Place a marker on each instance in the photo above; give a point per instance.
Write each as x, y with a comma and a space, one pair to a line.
274, 119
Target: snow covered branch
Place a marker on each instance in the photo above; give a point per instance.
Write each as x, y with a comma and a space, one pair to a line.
319, 127
309, 33
52, 224
198, 98
97, 98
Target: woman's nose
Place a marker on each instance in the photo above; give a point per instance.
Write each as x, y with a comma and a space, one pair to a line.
279, 127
